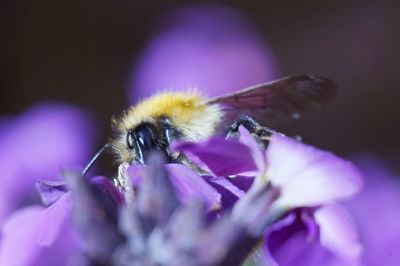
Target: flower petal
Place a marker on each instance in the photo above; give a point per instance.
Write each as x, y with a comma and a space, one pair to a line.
51, 191
190, 185
223, 157
187, 183
95, 216
108, 187
156, 199
229, 192
258, 155
308, 176
376, 211
292, 242
34, 230
338, 233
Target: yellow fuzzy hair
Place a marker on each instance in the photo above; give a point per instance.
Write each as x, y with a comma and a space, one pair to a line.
186, 110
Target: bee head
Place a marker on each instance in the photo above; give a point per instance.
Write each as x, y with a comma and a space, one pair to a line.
143, 140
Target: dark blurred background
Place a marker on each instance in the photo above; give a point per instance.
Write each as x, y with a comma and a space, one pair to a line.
83, 53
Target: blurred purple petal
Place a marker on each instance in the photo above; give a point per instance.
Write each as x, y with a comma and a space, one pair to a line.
208, 46
42, 234
136, 173
190, 185
376, 212
184, 233
156, 199
187, 183
95, 216
308, 176
108, 187
223, 157
37, 145
338, 232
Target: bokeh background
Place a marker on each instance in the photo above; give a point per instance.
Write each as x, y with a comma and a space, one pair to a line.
102, 56
68, 66
86, 53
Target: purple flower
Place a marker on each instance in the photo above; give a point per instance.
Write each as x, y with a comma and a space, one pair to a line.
188, 184
205, 46
156, 229
48, 238
307, 178
37, 145
173, 216
37, 235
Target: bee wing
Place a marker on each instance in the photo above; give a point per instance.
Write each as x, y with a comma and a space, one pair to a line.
290, 95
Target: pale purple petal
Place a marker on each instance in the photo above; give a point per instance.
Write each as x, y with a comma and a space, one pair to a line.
376, 212
258, 154
308, 176
222, 157
208, 46
338, 232
187, 183
106, 185
34, 231
136, 173
190, 185
16, 235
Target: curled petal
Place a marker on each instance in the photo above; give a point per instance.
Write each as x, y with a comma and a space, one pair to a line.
223, 157
51, 191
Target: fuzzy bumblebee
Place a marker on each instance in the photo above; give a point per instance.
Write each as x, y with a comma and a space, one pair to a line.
154, 123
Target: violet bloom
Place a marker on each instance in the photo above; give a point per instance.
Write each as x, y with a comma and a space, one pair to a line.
37, 145
309, 180
156, 229
207, 46
48, 238
285, 195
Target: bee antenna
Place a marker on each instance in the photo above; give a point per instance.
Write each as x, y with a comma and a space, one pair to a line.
94, 159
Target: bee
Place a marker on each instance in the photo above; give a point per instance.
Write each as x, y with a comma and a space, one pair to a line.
154, 123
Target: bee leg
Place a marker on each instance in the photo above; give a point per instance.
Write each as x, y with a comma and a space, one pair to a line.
262, 134
183, 159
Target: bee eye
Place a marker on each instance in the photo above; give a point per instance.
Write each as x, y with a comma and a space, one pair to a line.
130, 139
145, 138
